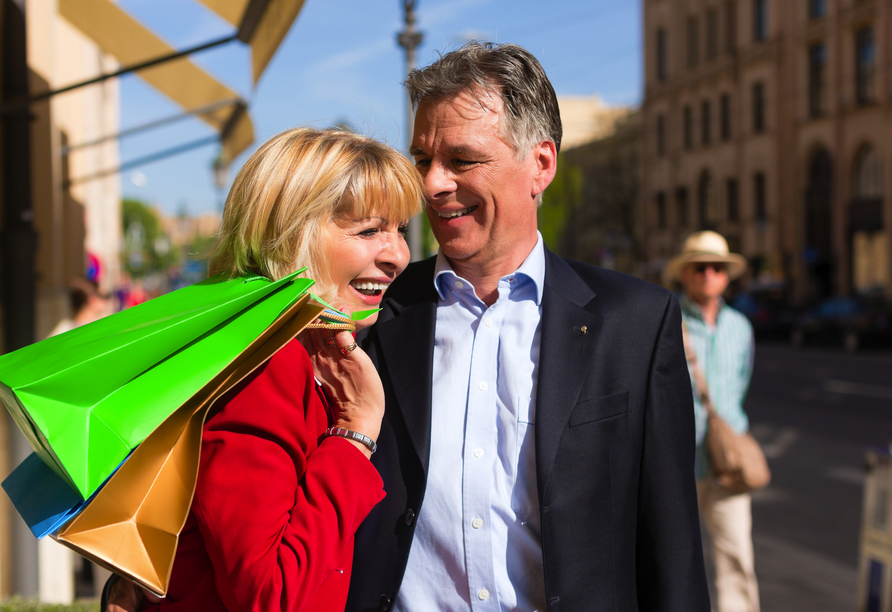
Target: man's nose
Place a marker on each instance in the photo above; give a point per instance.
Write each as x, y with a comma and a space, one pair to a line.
438, 182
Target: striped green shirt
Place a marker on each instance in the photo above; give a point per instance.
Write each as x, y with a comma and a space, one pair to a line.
725, 358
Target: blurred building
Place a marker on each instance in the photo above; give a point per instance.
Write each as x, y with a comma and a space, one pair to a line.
604, 226
182, 230
587, 118
769, 121
591, 206
60, 190
67, 220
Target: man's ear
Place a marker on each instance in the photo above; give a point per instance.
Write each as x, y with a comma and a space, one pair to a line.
545, 156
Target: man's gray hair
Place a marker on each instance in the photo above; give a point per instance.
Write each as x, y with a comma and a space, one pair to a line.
508, 71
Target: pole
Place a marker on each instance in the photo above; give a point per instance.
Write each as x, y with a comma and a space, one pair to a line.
20, 102
409, 39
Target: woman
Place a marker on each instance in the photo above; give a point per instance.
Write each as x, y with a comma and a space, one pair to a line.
279, 497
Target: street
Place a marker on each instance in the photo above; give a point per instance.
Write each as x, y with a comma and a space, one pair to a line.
815, 412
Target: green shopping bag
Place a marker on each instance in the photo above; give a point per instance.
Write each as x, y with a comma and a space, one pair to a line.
86, 398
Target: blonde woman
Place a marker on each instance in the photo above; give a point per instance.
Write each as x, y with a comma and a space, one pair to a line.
279, 497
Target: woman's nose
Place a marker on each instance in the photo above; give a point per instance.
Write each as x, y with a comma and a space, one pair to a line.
395, 254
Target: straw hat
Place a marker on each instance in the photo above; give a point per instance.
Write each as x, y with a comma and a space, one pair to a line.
705, 247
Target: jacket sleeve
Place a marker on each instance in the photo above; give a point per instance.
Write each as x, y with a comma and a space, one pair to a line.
669, 554
276, 513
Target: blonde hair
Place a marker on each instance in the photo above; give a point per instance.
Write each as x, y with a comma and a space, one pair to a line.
276, 216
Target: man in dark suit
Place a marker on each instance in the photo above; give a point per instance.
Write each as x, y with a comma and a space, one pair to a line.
538, 444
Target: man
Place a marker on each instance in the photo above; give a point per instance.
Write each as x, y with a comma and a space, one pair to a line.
538, 445
87, 305
719, 341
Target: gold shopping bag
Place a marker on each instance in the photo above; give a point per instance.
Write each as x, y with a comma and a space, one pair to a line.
132, 526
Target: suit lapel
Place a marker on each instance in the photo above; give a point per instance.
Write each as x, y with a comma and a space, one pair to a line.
570, 329
407, 348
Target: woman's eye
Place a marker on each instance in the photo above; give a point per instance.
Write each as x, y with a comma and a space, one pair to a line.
404, 230
369, 232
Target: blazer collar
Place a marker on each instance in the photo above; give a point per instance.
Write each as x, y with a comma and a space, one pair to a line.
571, 324
570, 327
407, 348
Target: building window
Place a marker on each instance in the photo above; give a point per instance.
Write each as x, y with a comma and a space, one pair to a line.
661, 210
865, 58
868, 229
712, 32
725, 116
705, 122
681, 206
733, 208
758, 107
693, 41
730, 26
759, 197
760, 20
662, 66
817, 80
817, 8
661, 135
868, 175
688, 127
709, 209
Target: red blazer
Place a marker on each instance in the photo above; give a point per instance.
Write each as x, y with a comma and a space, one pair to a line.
276, 506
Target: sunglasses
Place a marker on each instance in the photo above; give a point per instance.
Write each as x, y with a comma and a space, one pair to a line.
716, 267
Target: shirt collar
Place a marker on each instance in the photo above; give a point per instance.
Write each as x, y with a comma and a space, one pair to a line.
533, 267
693, 309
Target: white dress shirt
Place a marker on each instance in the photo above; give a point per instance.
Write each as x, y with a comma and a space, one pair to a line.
477, 543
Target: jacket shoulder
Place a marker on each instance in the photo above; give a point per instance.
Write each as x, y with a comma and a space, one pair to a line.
616, 286
415, 284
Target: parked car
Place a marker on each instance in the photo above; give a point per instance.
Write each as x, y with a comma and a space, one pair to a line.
768, 312
853, 321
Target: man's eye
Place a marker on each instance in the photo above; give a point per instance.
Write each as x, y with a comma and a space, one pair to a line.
422, 163
464, 162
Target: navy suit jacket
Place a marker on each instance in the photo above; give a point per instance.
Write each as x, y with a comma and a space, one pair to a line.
614, 443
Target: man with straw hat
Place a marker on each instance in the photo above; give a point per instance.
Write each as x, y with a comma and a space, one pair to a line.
719, 343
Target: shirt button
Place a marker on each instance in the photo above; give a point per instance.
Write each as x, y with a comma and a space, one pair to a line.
410, 516
478, 452
482, 594
459, 284
488, 322
477, 523
483, 386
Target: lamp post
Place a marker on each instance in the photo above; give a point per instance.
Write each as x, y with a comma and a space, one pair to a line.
409, 39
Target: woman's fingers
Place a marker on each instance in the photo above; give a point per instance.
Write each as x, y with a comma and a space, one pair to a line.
344, 343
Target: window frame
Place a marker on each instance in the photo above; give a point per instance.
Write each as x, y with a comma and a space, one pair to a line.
817, 80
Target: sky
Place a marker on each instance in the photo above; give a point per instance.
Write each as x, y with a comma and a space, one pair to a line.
340, 63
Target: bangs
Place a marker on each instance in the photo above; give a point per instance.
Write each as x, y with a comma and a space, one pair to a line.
386, 188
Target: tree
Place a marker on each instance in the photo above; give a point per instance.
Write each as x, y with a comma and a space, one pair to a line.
561, 198
146, 246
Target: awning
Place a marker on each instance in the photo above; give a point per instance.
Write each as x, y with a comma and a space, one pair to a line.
262, 24
123, 37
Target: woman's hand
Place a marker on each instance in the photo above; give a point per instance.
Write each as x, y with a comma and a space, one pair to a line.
349, 380
124, 596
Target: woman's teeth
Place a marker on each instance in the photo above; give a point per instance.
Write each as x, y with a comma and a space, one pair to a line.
369, 288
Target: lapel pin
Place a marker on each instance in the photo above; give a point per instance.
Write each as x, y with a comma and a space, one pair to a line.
582, 330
